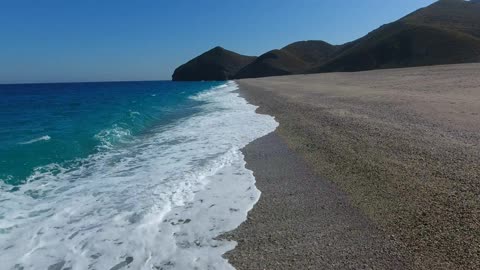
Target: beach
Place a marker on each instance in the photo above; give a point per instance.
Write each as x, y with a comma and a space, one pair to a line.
367, 170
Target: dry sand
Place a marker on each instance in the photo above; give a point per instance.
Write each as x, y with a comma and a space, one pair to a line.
377, 169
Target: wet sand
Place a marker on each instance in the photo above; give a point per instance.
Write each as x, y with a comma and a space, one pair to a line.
377, 169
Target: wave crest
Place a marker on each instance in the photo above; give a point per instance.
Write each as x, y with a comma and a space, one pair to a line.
109, 137
43, 138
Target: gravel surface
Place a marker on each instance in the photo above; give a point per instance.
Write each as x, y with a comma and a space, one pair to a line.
303, 221
401, 151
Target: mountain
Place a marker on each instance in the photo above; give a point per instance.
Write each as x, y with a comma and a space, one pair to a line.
313, 52
272, 63
295, 58
217, 64
446, 32
457, 15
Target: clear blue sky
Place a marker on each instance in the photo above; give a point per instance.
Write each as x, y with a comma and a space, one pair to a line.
94, 40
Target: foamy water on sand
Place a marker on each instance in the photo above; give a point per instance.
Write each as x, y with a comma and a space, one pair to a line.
156, 203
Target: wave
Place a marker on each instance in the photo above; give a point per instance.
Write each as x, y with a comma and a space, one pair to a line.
109, 137
43, 138
159, 202
134, 113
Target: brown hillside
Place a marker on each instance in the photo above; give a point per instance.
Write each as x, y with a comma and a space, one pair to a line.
458, 15
272, 63
405, 45
446, 32
217, 64
314, 52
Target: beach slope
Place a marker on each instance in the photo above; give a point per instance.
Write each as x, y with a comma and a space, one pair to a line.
376, 169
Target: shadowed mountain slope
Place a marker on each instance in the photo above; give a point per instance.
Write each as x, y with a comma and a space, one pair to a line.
404, 45
442, 33
272, 63
295, 58
313, 52
457, 15
217, 64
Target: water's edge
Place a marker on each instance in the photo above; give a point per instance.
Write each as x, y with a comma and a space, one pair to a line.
162, 203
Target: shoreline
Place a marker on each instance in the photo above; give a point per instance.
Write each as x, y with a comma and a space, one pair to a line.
302, 221
383, 157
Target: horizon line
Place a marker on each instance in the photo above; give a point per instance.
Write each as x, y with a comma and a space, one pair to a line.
73, 82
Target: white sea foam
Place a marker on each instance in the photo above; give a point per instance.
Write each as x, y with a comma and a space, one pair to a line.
156, 204
43, 138
109, 137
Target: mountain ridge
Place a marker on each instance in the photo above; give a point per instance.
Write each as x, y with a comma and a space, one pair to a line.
445, 32
217, 64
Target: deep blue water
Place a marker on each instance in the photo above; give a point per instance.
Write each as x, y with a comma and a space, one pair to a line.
43, 124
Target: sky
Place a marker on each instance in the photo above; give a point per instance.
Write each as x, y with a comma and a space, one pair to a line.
116, 40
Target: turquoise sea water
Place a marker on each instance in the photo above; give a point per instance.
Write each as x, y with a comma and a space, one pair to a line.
131, 175
43, 124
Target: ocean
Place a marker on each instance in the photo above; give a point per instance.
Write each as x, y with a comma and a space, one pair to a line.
138, 175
